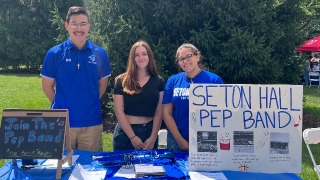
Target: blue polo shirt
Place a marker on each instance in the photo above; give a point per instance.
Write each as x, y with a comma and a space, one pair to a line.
177, 93
77, 74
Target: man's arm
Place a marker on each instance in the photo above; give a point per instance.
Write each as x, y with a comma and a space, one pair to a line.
102, 86
48, 88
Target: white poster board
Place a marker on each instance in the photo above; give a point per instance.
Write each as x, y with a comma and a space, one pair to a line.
244, 127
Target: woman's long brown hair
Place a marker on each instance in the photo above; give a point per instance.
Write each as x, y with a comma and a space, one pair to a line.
130, 77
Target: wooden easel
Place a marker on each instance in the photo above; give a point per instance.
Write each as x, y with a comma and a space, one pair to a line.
67, 146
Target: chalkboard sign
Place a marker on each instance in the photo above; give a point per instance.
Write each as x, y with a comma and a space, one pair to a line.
33, 134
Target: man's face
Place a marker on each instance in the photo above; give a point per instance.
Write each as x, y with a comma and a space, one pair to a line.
78, 27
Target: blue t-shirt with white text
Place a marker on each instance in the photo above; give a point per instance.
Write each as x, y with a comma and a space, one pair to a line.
177, 93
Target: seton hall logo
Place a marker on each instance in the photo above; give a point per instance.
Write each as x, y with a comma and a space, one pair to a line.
92, 59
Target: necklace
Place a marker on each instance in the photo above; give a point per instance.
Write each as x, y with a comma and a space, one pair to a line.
191, 79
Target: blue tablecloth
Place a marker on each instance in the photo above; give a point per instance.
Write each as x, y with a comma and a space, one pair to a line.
177, 169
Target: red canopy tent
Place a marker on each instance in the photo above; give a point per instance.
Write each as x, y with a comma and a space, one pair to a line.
311, 45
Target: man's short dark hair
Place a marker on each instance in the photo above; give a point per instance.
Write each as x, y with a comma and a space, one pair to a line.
76, 10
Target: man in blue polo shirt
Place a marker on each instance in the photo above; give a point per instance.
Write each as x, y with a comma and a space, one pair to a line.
74, 77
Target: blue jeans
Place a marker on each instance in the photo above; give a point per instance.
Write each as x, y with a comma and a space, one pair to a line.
122, 142
172, 144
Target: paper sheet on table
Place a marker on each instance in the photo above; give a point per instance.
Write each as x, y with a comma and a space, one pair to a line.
52, 163
79, 173
207, 175
125, 172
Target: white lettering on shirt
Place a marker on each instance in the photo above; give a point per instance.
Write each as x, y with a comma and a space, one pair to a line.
181, 92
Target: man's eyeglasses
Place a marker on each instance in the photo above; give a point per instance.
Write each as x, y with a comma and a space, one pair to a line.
82, 25
187, 58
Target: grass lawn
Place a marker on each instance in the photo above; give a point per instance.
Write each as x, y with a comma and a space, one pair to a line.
24, 91
310, 106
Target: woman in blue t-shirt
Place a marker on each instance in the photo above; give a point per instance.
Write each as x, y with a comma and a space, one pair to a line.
137, 101
176, 95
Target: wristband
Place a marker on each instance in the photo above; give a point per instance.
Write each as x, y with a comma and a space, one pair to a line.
132, 137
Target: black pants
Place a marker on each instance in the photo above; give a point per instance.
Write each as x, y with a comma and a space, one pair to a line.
122, 142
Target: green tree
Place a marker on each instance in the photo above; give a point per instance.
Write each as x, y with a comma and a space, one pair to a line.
311, 25
244, 41
25, 28
28, 29
241, 40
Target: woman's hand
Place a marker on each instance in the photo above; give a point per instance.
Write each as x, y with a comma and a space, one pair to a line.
149, 143
183, 144
137, 143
